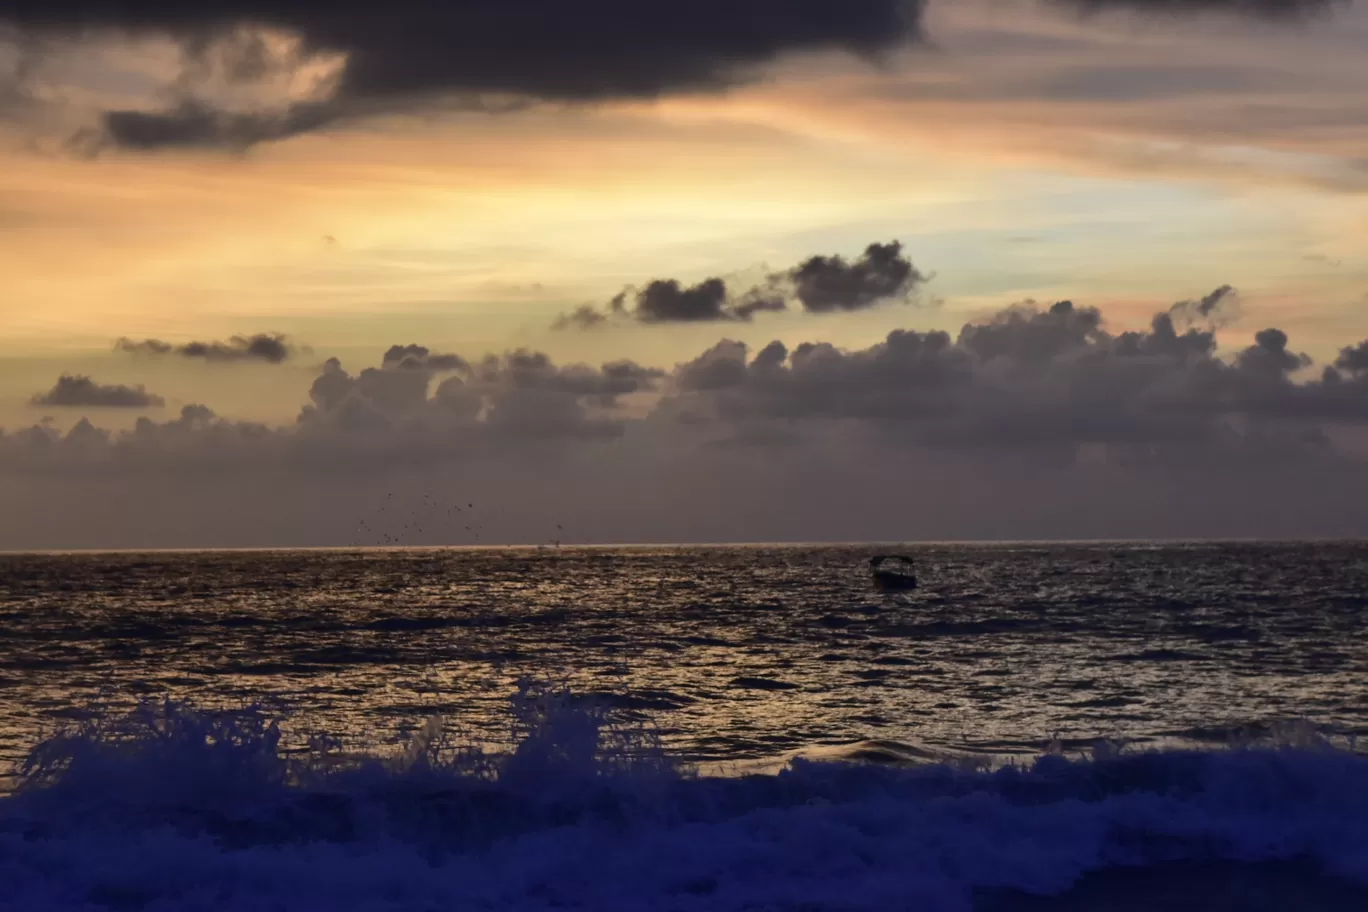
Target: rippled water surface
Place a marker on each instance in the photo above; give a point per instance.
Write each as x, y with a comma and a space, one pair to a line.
737, 653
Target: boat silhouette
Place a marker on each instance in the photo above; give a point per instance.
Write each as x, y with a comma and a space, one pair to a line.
893, 571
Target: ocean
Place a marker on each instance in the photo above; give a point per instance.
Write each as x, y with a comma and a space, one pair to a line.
1038, 726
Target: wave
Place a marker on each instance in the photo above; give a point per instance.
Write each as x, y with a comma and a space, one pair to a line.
173, 808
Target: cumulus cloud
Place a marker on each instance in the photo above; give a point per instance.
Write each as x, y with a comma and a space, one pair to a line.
420, 357
1031, 376
1041, 420
520, 394
1064, 424
272, 348
721, 367
1269, 357
882, 274
74, 390
666, 301
376, 419
1353, 359
829, 283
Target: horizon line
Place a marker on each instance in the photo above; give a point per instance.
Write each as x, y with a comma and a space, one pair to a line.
585, 546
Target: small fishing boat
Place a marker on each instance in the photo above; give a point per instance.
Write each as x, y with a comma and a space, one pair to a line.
893, 571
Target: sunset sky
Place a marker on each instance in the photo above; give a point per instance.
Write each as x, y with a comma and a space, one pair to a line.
467, 177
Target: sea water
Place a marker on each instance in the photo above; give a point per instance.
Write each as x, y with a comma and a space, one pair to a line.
1104, 726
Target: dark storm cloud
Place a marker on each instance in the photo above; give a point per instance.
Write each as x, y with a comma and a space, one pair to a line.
1264, 9
540, 49
194, 124
487, 55
272, 348
74, 390
820, 284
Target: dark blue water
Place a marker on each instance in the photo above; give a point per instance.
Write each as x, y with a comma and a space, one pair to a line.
721, 728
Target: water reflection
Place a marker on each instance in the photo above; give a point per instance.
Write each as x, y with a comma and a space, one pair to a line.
737, 653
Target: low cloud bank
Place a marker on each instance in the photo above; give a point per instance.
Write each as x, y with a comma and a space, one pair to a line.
1040, 422
1028, 377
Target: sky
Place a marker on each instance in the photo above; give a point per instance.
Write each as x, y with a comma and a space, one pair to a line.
278, 273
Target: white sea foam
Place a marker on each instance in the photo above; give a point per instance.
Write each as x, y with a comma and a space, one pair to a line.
173, 809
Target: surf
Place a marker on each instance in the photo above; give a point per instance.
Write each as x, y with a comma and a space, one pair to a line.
174, 807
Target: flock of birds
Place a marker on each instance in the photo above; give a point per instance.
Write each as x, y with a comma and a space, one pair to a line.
383, 534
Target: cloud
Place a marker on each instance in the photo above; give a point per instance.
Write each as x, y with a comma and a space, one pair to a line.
73, 390
520, 394
193, 124
419, 357
1028, 377
721, 367
516, 405
820, 284
1032, 376
256, 71
1353, 359
1215, 310
1040, 421
825, 284
1269, 358
666, 301
272, 348
586, 316
1263, 9
414, 49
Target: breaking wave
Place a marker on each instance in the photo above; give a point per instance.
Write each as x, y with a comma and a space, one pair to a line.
172, 808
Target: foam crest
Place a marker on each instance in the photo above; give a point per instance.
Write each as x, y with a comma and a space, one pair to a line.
176, 808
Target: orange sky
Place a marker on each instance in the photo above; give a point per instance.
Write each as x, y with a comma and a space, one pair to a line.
1120, 163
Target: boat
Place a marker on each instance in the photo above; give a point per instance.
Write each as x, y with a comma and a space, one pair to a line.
893, 571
